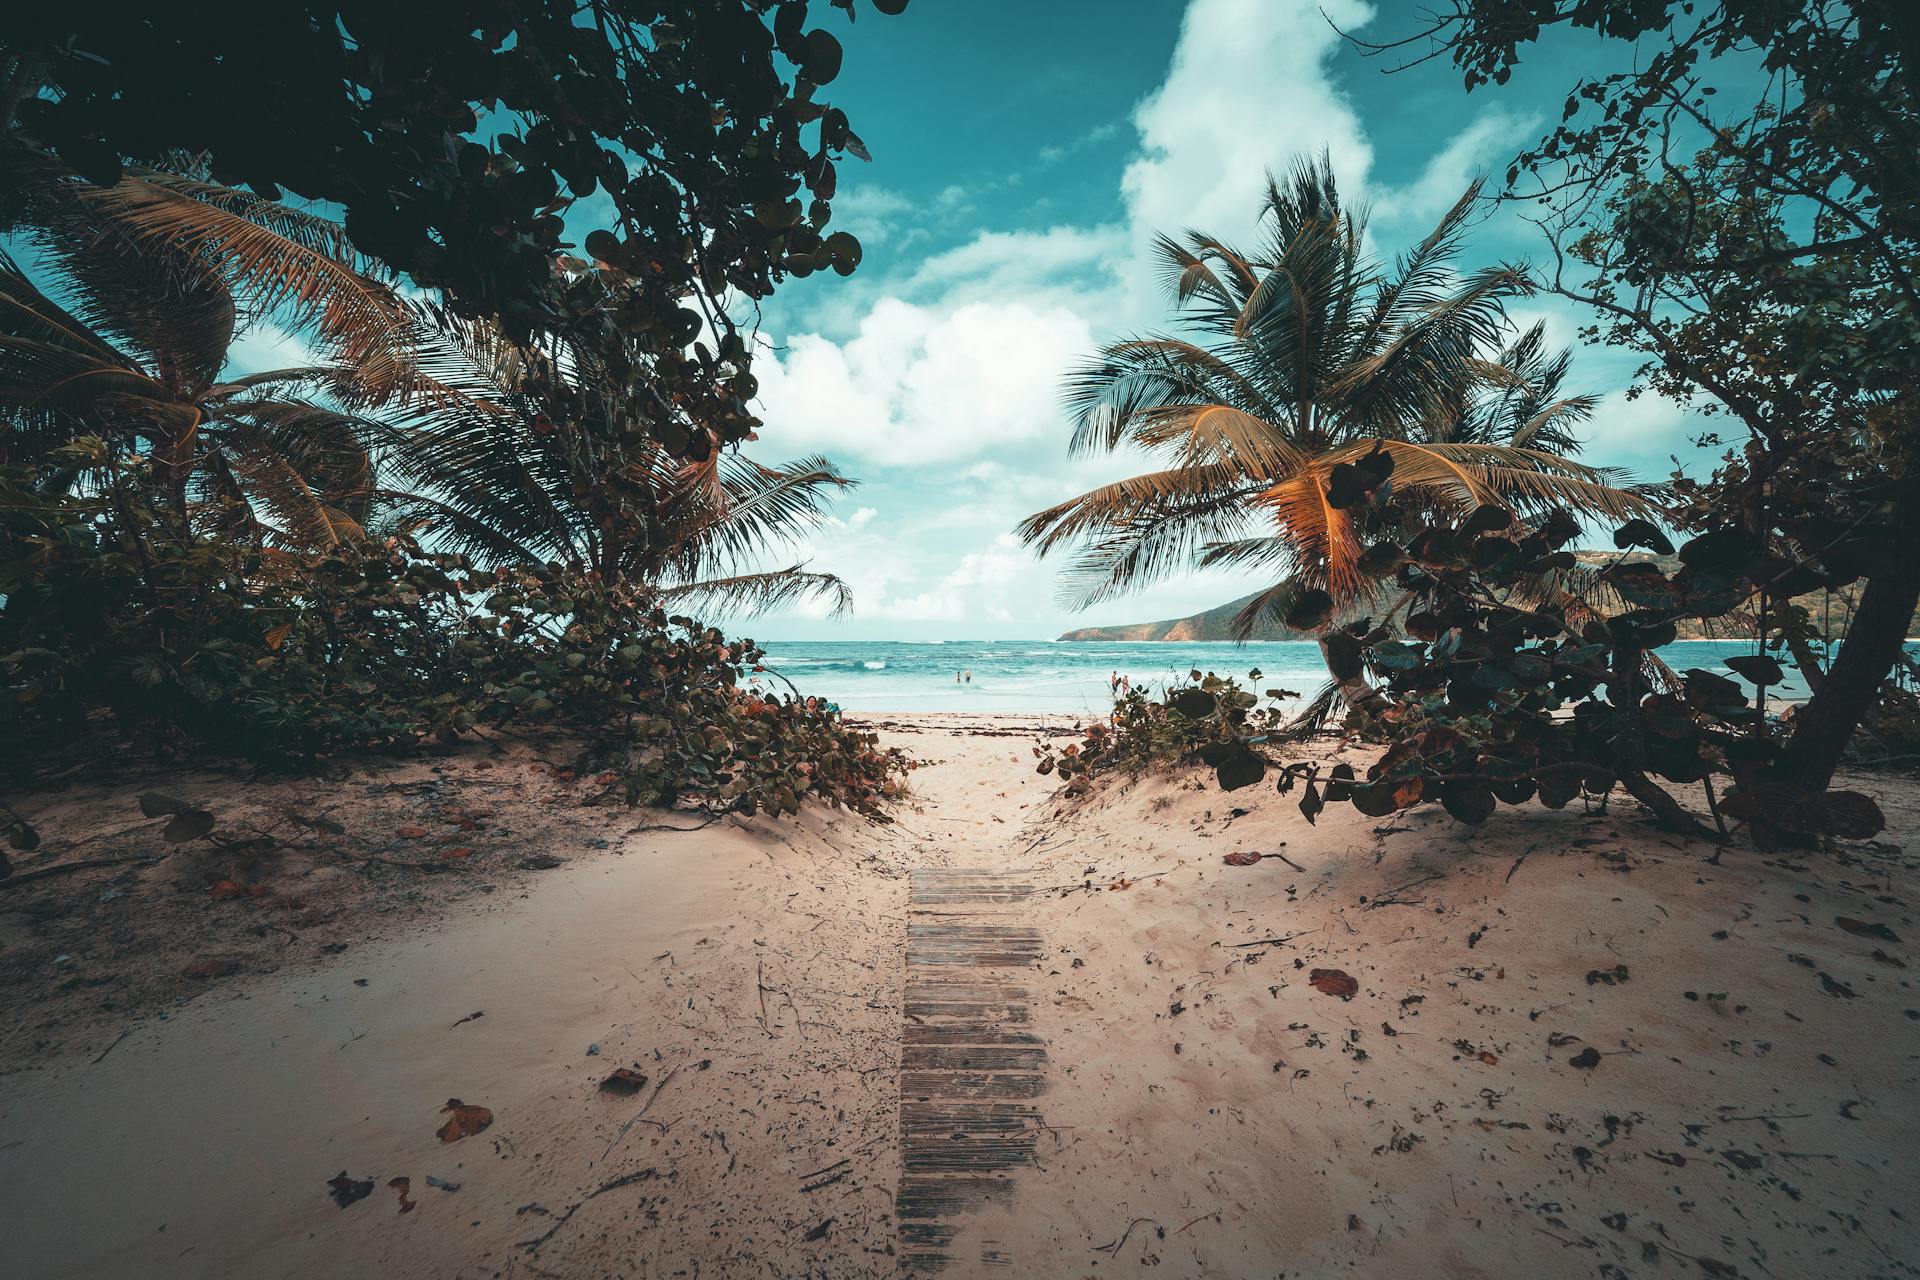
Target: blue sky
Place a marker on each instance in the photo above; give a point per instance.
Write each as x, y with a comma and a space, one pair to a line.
1023, 154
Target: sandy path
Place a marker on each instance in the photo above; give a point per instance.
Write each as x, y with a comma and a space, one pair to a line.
1208, 1108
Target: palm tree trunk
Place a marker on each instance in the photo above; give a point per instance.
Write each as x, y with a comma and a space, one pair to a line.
1350, 681
1806, 659
1825, 724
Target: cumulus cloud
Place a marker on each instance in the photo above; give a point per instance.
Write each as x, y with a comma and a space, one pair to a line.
1247, 91
1647, 428
921, 386
1480, 148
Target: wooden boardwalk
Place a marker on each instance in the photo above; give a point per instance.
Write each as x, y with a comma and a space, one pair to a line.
970, 1067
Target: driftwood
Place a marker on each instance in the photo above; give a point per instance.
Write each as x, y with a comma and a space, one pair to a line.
61, 868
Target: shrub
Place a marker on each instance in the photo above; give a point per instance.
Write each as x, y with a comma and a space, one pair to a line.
113, 630
1209, 719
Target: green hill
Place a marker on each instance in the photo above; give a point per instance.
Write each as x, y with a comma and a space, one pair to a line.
1214, 624
1217, 623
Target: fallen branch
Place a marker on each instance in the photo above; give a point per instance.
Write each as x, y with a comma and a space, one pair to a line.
1211, 1213
614, 1184
640, 1116
1115, 1247
61, 868
110, 1048
1391, 899
1517, 861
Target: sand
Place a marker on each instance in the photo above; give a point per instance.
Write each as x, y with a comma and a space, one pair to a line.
1207, 1111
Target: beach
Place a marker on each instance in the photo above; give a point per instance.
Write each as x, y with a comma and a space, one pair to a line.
1551, 1045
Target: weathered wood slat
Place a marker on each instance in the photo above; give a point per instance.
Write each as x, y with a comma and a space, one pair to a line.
957, 987
938, 1057
969, 1065
974, 1033
1005, 1085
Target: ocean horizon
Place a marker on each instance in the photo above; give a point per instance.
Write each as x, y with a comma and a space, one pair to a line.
1071, 676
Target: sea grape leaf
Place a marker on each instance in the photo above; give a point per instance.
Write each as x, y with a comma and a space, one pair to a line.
1642, 533
346, 1190
1334, 982
1756, 668
464, 1120
1239, 769
1195, 704
1470, 802
1489, 517
188, 824
1309, 610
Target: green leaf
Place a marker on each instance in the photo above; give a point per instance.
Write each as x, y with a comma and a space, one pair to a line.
1310, 610
155, 805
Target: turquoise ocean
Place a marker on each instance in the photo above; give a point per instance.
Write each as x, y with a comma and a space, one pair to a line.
1070, 677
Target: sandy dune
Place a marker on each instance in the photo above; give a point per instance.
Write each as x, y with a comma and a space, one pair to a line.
1209, 1108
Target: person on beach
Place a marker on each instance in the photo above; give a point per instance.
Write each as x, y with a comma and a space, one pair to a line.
956, 677
969, 675
1113, 683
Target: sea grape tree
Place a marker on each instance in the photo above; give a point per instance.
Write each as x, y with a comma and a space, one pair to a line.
690, 143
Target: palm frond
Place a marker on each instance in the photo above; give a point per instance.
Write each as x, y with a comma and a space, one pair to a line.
753, 594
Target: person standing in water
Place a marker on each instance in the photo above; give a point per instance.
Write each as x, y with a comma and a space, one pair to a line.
969, 675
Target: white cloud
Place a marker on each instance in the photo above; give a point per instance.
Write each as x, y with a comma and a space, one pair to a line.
922, 386
1479, 149
1646, 429
262, 347
872, 214
1247, 92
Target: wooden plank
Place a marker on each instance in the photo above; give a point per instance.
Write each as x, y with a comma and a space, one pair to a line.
970, 1155
945, 1196
926, 1085
975, 1033
969, 1064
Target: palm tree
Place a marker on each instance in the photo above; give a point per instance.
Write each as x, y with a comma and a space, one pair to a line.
488, 468
159, 274
415, 417
1295, 366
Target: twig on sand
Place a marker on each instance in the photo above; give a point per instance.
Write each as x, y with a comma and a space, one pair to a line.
1211, 1213
61, 868
1391, 898
837, 1172
1517, 861
712, 817
760, 981
612, 1184
640, 1117
110, 1048
1290, 862
1116, 1246
1270, 942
